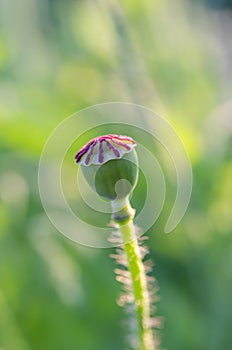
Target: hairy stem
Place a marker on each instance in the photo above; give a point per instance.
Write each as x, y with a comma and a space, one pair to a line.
139, 283
138, 279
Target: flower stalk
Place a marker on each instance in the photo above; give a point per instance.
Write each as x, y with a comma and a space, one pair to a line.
138, 277
110, 166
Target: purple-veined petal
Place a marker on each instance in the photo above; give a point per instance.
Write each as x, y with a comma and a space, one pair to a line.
104, 148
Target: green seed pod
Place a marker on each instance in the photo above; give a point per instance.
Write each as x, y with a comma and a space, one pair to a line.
110, 165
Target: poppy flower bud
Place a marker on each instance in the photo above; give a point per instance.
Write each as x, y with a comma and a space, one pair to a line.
109, 164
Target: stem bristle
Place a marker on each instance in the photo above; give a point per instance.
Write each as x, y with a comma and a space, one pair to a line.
126, 298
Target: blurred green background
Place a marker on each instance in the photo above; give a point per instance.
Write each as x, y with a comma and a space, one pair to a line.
57, 57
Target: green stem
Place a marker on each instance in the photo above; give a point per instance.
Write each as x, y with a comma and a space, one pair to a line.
139, 281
